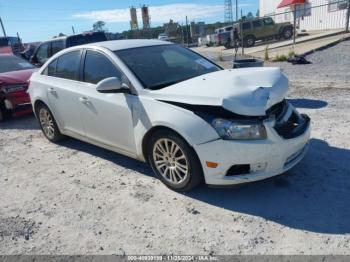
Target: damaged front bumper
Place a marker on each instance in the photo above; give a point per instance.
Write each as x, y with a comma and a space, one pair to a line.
248, 161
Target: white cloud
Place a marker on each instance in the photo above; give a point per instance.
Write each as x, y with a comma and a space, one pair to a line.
159, 14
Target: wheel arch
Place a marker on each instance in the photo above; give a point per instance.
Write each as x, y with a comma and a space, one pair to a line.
38, 102
153, 130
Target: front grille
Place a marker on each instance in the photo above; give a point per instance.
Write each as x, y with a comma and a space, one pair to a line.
293, 127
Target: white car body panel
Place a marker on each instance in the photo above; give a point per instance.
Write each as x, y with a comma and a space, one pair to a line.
119, 122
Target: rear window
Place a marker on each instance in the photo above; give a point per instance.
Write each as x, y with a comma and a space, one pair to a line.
257, 23
246, 26
68, 66
13, 63
85, 39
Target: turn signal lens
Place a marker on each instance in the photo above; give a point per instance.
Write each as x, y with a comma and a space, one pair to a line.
212, 164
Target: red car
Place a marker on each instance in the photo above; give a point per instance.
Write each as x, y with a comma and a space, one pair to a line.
15, 73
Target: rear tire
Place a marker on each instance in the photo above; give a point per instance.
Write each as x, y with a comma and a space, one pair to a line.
287, 33
174, 161
48, 124
249, 41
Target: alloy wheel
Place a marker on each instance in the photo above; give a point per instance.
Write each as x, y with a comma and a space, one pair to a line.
170, 161
46, 123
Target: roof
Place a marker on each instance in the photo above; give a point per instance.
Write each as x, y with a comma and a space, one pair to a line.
127, 44
290, 2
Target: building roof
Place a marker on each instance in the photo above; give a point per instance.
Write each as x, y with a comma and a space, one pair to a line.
127, 44
285, 3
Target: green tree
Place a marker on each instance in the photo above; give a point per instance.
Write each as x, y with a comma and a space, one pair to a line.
99, 26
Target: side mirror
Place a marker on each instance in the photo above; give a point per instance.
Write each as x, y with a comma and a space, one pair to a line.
111, 85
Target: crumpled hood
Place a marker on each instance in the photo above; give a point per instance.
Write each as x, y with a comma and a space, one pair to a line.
248, 91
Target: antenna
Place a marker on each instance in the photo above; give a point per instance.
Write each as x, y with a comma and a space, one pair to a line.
228, 11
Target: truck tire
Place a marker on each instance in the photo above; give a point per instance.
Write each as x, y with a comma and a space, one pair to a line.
287, 33
4, 113
249, 41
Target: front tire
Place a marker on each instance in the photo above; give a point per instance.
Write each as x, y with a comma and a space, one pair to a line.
48, 124
4, 113
174, 161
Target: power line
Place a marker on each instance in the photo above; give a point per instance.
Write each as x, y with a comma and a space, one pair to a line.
52, 9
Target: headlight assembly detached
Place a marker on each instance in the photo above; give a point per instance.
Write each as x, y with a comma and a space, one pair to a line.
231, 130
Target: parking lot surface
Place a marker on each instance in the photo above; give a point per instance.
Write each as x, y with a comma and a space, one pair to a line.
75, 198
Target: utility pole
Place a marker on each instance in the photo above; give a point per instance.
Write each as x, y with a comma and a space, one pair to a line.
186, 31
236, 10
242, 39
347, 18
3, 28
73, 30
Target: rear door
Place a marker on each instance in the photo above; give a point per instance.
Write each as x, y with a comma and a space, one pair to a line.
269, 27
107, 118
257, 27
64, 89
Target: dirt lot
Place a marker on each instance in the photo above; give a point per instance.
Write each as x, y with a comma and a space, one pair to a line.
74, 198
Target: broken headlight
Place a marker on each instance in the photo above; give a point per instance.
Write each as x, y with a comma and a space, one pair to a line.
231, 130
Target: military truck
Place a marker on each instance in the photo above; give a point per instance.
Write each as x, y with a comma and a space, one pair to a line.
263, 29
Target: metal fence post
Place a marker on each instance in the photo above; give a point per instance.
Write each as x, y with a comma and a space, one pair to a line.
295, 24
347, 18
3, 28
242, 36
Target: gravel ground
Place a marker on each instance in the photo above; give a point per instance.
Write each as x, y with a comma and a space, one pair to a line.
75, 198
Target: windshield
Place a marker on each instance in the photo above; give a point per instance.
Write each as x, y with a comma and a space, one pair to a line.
160, 66
13, 63
4, 41
86, 39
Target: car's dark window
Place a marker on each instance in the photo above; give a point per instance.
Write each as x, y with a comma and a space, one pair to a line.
98, 67
268, 21
50, 70
9, 63
246, 26
57, 46
257, 23
160, 66
86, 39
4, 41
43, 53
68, 66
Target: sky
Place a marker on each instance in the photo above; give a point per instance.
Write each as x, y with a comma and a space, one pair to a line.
38, 20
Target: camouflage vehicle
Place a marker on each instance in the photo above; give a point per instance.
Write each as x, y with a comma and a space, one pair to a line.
263, 29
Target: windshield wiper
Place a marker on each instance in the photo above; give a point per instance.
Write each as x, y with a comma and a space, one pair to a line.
160, 86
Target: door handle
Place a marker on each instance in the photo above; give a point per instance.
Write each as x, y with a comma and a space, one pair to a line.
84, 100
52, 91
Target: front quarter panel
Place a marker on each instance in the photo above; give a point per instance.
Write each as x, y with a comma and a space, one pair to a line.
149, 113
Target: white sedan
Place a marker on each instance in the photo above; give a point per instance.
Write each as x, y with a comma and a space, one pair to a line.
166, 105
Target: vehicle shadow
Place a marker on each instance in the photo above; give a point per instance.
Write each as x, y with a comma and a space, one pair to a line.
28, 122
313, 196
308, 103
118, 159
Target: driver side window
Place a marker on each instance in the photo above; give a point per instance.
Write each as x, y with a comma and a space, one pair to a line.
98, 67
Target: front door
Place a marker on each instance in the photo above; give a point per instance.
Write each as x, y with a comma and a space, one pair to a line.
107, 118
